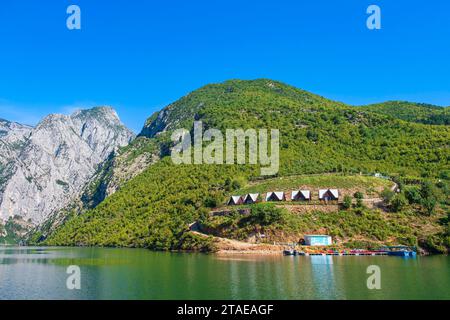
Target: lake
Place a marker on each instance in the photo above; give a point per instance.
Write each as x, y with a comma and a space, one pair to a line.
109, 273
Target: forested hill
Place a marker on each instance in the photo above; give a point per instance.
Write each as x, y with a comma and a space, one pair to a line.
317, 136
414, 112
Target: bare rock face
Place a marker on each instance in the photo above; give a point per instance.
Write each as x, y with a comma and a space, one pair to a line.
12, 139
46, 167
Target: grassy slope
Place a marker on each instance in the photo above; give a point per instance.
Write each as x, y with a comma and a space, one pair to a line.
318, 135
351, 228
363, 183
355, 227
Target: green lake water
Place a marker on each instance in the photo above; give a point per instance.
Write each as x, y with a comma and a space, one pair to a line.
106, 273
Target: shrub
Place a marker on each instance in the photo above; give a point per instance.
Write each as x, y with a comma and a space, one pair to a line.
448, 223
428, 190
211, 202
347, 203
387, 195
434, 244
429, 205
236, 184
398, 202
359, 203
409, 241
430, 196
445, 174
359, 195
267, 214
413, 195
190, 241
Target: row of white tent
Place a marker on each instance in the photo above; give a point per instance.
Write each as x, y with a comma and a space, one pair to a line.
296, 195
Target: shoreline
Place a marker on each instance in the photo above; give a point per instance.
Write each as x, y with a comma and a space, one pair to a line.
225, 247
259, 252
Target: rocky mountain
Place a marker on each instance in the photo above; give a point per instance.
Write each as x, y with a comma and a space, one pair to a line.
43, 168
12, 138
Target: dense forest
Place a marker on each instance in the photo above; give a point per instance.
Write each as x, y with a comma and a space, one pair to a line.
414, 112
154, 208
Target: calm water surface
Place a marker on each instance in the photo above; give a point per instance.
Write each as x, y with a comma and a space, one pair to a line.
40, 273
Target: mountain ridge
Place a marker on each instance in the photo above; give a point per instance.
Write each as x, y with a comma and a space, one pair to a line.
55, 159
411, 111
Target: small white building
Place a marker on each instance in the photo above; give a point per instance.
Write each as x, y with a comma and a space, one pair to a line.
318, 240
301, 195
328, 194
275, 196
251, 198
234, 201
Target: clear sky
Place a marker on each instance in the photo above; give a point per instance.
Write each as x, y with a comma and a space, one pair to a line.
138, 56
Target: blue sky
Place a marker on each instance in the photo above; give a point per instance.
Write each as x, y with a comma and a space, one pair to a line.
138, 56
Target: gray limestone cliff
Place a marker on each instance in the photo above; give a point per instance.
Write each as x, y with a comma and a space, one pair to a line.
43, 168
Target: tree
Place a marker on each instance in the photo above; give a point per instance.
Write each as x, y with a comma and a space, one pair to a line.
413, 195
211, 202
347, 203
267, 214
398, 202
359, 196
312, 135
429, 195
429, 205
236, 184
448, 223
444, 187
387, 195
427, 189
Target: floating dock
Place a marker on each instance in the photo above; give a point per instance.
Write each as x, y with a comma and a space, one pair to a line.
397, 251
344, 254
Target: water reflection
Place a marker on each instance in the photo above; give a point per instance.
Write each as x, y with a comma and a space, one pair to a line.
40, 273
323, 277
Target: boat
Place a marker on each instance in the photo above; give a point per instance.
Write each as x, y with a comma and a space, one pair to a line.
400, 251
405, 253
289, 252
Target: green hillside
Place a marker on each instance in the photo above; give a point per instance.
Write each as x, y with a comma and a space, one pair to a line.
318, 135
413, 112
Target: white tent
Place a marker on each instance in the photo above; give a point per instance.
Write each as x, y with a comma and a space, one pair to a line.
234, 200
275, 196
328, 194
306, 194
251, 198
